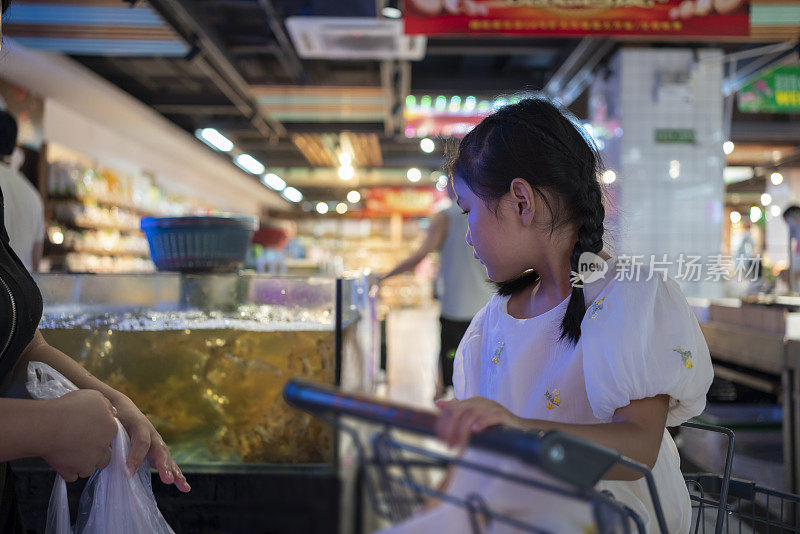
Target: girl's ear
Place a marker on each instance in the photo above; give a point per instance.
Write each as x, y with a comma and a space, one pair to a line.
522, 196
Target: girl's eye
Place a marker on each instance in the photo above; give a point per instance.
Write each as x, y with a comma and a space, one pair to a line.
464, 212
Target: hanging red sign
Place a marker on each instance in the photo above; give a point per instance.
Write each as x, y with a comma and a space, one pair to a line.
405, 201
578, 17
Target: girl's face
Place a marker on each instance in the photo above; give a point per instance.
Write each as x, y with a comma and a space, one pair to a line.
493, 236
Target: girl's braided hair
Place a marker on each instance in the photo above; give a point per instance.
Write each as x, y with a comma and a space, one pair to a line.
540, 143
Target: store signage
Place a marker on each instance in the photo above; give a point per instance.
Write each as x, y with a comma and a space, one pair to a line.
674, 135
578, 17
775, 92
405, 201
443, 116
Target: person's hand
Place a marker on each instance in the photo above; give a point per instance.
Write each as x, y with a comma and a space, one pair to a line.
147, 442
376, 279
83, 429
458, 420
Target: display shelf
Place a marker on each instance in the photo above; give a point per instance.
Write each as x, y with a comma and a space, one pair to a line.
84, 217
53, 251
79, 262
94, 213
109, 203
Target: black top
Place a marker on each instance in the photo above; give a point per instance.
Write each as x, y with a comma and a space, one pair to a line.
20, 303
20, 313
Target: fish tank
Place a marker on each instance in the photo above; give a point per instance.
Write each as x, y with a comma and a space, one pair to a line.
205, 356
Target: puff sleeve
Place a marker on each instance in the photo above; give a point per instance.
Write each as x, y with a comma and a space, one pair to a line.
641, 339
466, 366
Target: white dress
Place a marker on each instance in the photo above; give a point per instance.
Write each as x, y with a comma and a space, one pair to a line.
639, 339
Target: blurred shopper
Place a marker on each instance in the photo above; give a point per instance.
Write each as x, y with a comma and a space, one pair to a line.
792, 217
24, 210
465, 288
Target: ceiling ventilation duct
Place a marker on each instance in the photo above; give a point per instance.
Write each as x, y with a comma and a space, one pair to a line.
353, 38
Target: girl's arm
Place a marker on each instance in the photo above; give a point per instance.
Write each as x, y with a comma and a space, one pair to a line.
145, 440
635, 430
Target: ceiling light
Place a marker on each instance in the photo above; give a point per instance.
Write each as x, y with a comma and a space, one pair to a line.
291, 194
766, 199
353, 196
455, 104
414, 175
674, 169
776, 178
345, 159
391, 13
427, 145
341, 208
249, 163
609, 177
322, 208
469, 103
727, 147
734, 174
273, 181
775, 210
214, 139
440, 103
755, 214
346, 172
736, 217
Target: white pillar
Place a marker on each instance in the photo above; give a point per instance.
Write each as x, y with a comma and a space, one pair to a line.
669, 192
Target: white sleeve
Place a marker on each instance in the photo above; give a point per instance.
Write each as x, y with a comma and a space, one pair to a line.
641, 339
466, 365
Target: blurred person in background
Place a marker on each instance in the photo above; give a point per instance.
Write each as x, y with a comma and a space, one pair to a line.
465, 288
24, 209
792, 217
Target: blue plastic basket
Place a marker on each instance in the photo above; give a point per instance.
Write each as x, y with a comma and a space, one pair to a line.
199, 244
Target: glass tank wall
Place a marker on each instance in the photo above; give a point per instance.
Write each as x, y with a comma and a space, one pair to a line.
205, 357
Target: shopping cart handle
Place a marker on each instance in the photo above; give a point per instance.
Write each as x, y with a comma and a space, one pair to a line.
565, 457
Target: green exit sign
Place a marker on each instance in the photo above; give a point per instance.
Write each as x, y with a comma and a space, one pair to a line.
674, 135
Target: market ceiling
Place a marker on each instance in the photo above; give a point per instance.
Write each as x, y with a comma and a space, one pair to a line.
245, 68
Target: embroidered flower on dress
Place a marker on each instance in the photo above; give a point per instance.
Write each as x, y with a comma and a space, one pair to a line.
686, 356
553, 399
597, 306
497, 352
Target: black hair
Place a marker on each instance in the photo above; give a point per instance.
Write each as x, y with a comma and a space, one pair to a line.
6, 3
536, 141
8, 133
792, 212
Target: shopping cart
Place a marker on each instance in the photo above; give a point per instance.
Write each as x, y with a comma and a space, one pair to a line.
721, 503
399, 472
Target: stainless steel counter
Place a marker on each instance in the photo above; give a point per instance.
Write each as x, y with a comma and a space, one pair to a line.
762, 338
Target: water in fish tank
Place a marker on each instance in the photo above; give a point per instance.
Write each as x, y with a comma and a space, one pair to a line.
211, 382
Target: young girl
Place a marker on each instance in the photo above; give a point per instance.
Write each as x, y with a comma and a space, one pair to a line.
615, 361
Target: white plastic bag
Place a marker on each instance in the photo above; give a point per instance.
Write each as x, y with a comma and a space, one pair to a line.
111, 502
